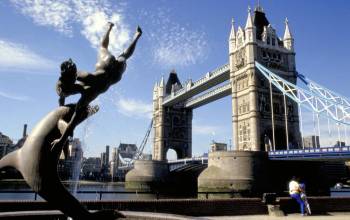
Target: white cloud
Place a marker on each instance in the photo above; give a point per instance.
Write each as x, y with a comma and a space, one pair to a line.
15, 56
47, 13
175, 44
14, 96
134, 108
204, 129
91, 15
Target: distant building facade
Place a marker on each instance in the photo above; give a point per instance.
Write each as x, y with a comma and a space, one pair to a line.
8, 146
340, 144
114, 163
127, 150
67, 165
311, 141
5, 144
218, 146
91, 168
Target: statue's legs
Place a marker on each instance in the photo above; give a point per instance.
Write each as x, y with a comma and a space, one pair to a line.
105, 39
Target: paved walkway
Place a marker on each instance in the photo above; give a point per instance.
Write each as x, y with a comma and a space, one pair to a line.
330, 216
164, 216
150, 215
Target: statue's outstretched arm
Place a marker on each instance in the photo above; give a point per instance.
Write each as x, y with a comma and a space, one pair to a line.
130, 50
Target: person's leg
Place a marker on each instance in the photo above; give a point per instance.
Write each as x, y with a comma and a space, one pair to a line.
105, 39
130, 50
296, 196
103, 53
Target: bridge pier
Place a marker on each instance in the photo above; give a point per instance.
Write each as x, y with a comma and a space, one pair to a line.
147, 175
239, 173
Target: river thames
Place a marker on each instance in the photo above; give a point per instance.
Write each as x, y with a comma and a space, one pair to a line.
85, 190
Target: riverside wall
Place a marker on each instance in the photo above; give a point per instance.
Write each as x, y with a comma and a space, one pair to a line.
195, 207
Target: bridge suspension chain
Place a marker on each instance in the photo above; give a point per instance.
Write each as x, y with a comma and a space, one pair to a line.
331, 96
143, 143
324, 92
139, 153
316, 103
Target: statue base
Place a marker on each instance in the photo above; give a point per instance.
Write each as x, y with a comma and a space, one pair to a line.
147, 175
233, 174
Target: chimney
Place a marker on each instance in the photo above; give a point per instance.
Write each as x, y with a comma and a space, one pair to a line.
25, 130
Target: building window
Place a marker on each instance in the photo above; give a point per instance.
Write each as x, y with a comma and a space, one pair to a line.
276, 108
273, 41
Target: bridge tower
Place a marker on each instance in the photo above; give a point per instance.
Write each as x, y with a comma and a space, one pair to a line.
172, 124
251, 97
255, 123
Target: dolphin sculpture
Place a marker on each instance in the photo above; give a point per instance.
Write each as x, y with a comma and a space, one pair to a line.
37, 162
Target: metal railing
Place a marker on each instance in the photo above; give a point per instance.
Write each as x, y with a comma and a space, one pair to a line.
312, 152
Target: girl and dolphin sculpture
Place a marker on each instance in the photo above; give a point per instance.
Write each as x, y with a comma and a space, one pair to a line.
37, 159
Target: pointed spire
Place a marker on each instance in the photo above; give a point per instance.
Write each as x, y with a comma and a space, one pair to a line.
162, 82
287, 34
249, 23
155, 87
233, 32
161, 88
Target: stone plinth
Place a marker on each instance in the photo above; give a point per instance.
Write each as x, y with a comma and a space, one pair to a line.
233, 173
147, 175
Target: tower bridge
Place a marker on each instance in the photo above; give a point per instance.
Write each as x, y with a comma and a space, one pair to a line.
261, 79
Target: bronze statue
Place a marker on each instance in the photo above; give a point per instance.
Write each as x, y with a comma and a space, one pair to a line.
37, 159
38, 164
109, 71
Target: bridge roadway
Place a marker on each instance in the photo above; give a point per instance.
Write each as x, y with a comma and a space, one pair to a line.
191, 89
309, 154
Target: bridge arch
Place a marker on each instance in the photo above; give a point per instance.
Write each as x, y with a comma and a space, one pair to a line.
171, 154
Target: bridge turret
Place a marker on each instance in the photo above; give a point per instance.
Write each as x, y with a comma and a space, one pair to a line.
173, 83
288, 40
155, 90
155, 95
158, 119
161, 88
232, 39
250, 30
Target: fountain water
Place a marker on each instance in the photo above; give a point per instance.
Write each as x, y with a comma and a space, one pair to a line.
78, 157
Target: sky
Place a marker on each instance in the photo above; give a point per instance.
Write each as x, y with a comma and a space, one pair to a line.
186, 35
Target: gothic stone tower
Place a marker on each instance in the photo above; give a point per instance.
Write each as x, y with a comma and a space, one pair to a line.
244, 170
251, 106
172, 125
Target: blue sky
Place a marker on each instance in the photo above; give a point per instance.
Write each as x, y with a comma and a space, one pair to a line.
187, 35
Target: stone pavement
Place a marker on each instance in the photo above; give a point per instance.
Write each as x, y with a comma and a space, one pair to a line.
330, 216
159, 216
163, 216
